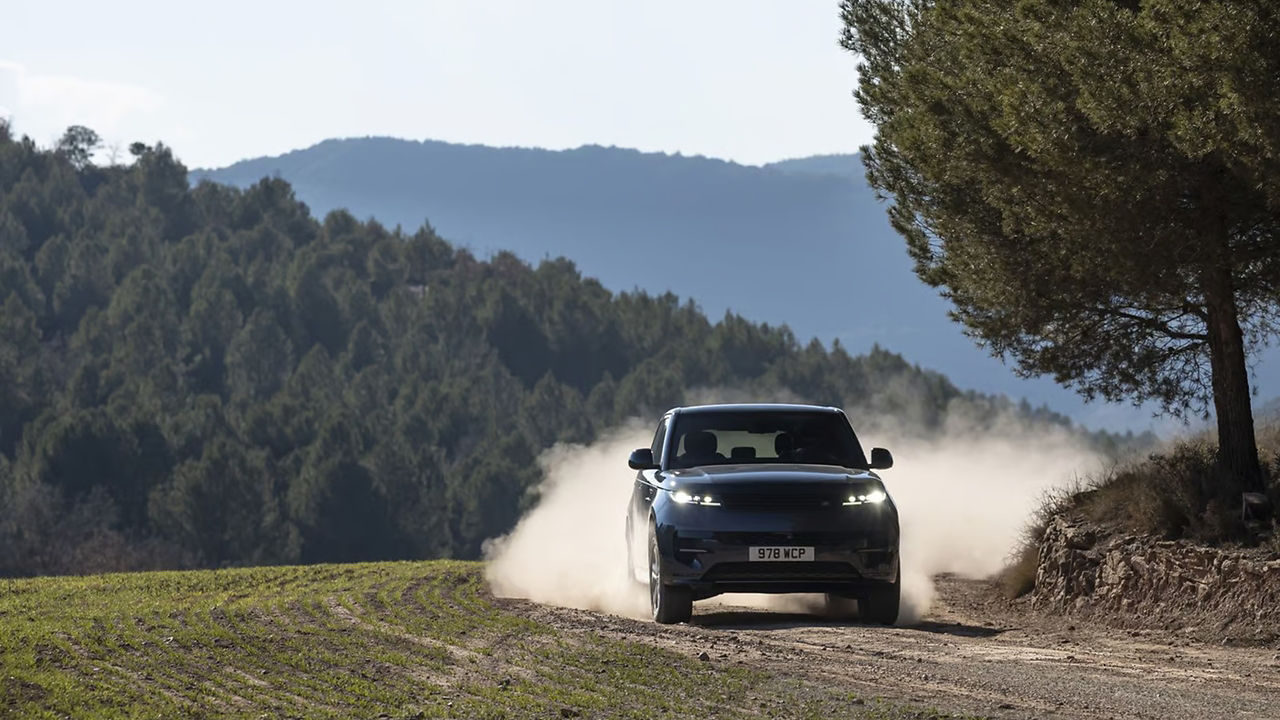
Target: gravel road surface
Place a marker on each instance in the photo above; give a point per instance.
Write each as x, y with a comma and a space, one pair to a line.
975, 655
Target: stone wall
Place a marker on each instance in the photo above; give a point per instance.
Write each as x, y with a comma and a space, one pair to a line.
1143, 582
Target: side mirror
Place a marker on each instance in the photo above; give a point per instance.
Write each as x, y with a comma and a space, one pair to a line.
881, 459
641, 459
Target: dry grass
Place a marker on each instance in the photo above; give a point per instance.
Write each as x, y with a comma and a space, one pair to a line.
1177, 493
1019, 576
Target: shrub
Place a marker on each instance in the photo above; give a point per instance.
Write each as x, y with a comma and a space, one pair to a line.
1179, 493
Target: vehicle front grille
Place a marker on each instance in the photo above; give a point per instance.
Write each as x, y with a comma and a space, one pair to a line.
779, 501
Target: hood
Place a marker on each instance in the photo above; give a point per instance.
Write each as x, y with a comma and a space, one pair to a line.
770, 474
775, 487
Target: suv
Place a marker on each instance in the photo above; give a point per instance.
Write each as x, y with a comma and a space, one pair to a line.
762, 499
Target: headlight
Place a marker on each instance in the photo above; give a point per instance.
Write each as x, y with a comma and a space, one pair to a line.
684, 498
875, 497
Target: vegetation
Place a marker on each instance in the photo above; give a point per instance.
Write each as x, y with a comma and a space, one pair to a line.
209, 377
404, 640
1093, 184
1176, 494
706, 229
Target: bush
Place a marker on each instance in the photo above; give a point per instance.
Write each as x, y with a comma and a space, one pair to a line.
1179, 494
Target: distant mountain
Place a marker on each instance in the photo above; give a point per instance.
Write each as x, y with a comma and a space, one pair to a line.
844, 166
802, 242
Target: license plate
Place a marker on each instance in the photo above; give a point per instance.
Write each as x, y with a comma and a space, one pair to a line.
782, 554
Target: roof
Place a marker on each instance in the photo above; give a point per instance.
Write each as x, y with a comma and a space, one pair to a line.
753, 407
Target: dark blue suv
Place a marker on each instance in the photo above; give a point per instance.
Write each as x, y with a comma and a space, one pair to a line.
762, 498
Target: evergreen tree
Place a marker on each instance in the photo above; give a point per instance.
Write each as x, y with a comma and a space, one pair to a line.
1092, 185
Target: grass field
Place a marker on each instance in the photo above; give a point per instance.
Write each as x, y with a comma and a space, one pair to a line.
399, 640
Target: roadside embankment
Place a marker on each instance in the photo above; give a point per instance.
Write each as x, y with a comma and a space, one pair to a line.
1135, 581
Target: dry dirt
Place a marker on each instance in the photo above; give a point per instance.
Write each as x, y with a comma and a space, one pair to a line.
972, 654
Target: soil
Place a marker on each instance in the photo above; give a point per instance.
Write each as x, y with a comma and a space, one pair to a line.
973, 653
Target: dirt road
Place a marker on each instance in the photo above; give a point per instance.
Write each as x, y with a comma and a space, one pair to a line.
972, 655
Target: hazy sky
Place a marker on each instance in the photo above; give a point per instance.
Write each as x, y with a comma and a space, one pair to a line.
751, 81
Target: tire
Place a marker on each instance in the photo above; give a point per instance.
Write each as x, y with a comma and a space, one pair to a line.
669, 603
880, 606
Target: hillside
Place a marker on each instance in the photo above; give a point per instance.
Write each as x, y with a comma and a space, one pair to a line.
848, 167
404, 640
209, 377
801, 242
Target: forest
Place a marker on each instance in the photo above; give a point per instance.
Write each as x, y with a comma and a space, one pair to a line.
208, 376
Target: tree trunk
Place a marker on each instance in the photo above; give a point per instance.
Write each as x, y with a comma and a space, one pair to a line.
1237, 447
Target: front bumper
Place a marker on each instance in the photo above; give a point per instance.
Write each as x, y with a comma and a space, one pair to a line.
855, 549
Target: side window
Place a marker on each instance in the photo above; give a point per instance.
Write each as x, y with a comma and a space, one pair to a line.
658, 437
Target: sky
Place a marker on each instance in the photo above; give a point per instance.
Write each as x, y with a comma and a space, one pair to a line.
752, 81
746, 80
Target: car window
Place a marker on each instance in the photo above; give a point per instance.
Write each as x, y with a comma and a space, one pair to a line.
658, 437
717, 438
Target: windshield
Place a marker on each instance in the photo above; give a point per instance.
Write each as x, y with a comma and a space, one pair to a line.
723, 438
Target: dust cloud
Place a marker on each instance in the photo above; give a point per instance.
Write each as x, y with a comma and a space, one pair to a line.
570, 548
964, 496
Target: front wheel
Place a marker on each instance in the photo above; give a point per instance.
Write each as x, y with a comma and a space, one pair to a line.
669, 603
881, 605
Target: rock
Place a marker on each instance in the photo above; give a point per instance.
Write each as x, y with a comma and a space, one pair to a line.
1084, 569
